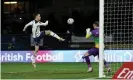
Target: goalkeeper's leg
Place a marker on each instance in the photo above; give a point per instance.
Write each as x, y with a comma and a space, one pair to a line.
87, 59
92, 51
107, 66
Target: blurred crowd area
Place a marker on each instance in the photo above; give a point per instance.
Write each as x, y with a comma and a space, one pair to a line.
118, 22
84, 13
17, 13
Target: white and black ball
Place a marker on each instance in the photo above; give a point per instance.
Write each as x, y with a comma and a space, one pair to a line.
70, 21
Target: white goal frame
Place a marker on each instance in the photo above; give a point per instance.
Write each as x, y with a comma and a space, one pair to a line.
101, 39
119, 14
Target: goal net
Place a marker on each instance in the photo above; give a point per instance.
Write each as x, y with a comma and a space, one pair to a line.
117, 29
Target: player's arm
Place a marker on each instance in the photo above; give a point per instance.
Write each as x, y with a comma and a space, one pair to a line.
27, 25
88, 33
44, 24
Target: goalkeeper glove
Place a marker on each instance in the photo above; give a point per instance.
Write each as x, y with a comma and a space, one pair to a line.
88, 33
88, 30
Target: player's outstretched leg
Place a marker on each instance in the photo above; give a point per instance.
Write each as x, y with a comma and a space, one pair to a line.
48, 32
34, 56
87, 59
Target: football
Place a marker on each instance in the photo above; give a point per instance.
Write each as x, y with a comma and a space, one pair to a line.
70, 21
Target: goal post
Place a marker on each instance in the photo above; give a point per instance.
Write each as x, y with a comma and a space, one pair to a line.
116, 23
101, 40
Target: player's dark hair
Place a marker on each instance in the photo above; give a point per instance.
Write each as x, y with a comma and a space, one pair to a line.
96, 23
35, 14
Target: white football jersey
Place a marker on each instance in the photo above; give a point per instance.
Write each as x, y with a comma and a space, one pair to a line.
35, 27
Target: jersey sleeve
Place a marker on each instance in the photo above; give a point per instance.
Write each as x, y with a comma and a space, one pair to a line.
27, 25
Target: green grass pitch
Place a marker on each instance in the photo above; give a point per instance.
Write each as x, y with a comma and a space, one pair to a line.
48, 71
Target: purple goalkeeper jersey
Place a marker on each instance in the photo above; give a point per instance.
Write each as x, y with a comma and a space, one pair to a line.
95, 35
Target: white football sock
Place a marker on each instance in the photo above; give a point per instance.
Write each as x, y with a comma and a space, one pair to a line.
54, 35
34, 59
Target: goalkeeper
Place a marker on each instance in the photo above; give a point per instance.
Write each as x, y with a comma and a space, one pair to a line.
93, 51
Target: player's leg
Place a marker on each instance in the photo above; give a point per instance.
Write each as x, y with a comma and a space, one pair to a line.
36, 41
92, 51
106, 65
48, 32
87, 59
34, 56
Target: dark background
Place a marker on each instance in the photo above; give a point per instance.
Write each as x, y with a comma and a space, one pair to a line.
15, 16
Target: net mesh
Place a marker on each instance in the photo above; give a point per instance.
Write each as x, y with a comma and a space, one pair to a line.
118, 25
